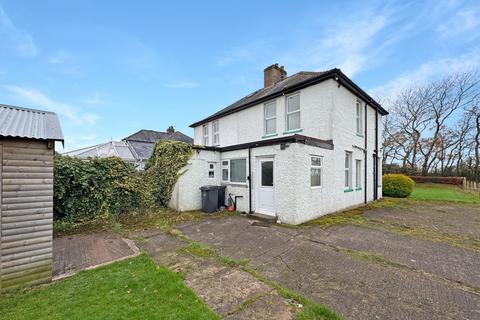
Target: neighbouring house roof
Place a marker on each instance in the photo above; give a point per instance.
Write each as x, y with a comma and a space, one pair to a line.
29, 123
290, 84
154, 136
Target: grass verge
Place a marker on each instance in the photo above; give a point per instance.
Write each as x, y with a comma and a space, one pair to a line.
443, 192
136, 288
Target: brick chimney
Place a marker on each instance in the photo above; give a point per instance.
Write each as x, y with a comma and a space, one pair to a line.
273, 74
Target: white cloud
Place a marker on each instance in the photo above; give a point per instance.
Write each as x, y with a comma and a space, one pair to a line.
463, 21
428, 71
37, 98
95, 100
181, 85
59, 57
18, 40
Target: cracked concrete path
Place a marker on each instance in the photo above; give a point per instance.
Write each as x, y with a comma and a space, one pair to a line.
229, 291
412, 279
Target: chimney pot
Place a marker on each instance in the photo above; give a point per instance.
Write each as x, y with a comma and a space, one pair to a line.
273, 74
170, 130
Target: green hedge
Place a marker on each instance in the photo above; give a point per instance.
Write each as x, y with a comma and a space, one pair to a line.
397, 185
84, 189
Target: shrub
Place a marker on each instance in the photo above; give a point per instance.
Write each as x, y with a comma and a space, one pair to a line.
85, 189
163, 167
397, 185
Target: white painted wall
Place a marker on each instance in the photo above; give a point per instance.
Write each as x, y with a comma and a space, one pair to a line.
186, 194
247, 125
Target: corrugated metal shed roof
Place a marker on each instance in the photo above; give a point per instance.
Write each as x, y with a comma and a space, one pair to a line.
29, 123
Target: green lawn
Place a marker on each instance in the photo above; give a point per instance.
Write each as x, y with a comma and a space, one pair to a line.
443, 192
136, 288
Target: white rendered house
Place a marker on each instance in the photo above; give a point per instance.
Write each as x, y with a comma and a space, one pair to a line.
301, 147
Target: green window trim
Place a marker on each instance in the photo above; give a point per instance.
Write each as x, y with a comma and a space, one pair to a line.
357, 189
269, 135
292, 131
348, 190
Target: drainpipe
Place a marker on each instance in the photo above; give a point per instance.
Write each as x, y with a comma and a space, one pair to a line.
365, 153
249, 180
375, 154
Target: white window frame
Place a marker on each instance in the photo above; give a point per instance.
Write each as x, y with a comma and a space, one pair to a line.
216, 132
348, 170
287, 113
265, 118
229, 169
358, 174
205, 137
358, 117
226, 166
211, 169
320, 167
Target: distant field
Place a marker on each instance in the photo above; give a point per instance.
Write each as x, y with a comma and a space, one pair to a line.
443, 192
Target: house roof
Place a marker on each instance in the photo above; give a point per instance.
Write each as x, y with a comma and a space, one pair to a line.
295, 138
154, 136
21, 122
294, 82
108, 149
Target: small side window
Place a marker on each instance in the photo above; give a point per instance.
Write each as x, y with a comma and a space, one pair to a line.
211, 170
316, 171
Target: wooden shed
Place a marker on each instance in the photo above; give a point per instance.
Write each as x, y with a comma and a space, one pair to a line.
27, 149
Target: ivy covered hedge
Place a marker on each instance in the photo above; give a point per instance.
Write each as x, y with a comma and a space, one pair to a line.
163, 167
85, 189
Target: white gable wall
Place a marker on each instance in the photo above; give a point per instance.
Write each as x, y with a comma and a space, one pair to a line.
247, 125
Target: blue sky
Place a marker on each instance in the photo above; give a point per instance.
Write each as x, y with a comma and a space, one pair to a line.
110, 68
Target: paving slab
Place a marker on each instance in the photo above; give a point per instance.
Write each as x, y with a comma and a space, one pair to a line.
456, 219
455, 264
229, 291
77, 252
355, 288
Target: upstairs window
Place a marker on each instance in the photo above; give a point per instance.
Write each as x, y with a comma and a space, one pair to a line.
316, 172
216, 132
205, 135
358, 117
270, 118
293, 112
348, 170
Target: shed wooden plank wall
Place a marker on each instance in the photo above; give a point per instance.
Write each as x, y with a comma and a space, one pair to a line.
26, 213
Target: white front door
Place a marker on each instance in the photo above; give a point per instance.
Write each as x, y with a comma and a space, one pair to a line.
266, 186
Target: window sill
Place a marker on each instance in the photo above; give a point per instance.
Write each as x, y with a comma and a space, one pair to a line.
292, 131
234, 184
270, 135
315, 187
348, 190
359, 135
358, 189
379, 186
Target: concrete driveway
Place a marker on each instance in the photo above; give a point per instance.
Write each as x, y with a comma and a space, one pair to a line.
417, 262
